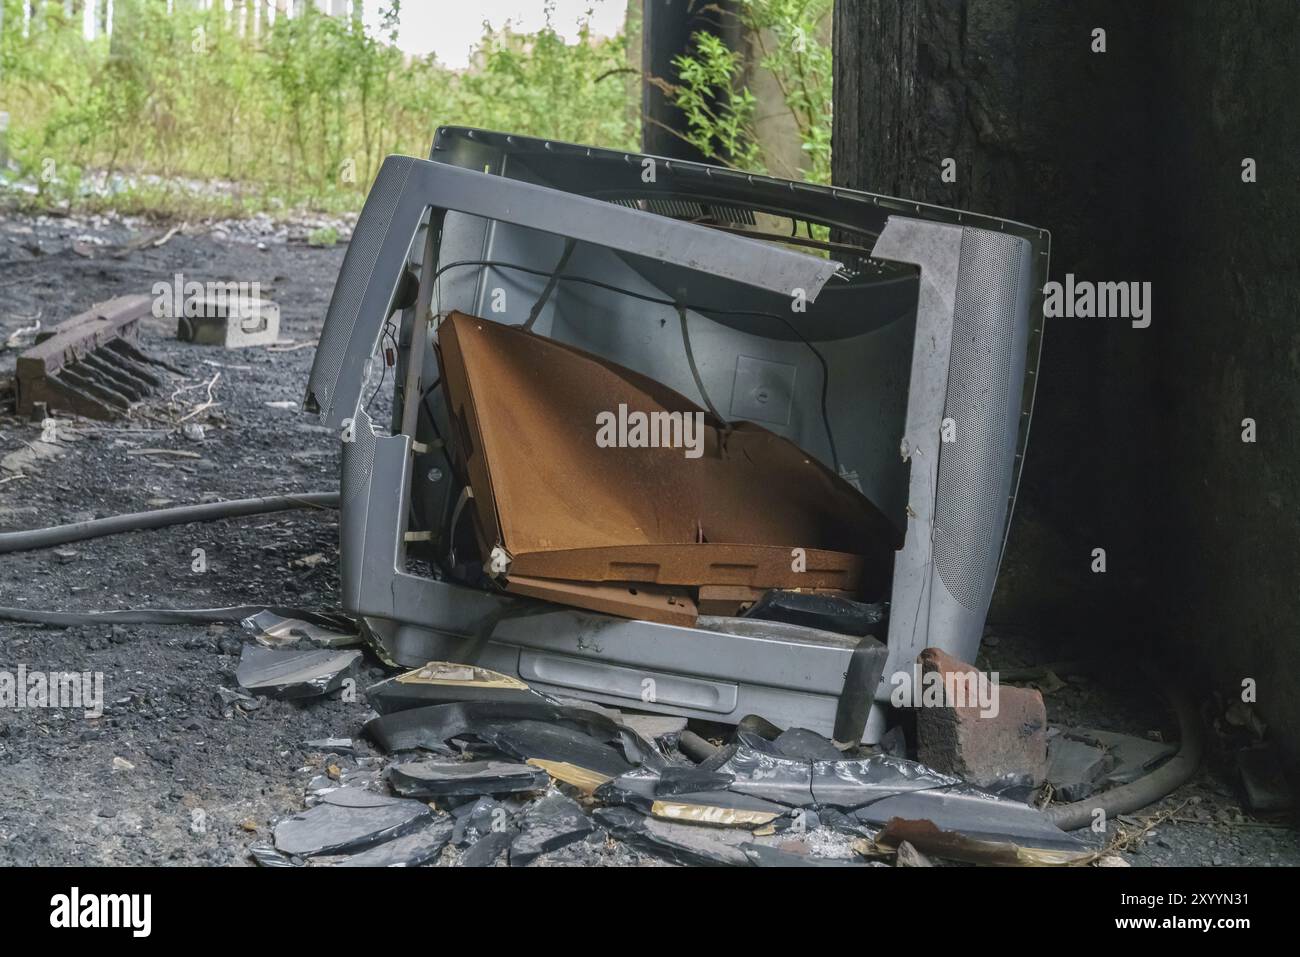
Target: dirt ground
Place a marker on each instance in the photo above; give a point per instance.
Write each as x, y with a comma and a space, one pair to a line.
172, 772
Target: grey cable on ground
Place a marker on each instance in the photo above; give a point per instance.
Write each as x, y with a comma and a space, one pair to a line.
1146, 790
161, 518
153, 616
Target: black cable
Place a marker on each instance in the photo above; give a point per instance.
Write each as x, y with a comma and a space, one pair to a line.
383, 372
161, 518
433, 423
695, 372
660, 301
540, 304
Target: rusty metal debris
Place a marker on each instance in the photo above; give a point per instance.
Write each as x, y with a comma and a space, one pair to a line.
89, 364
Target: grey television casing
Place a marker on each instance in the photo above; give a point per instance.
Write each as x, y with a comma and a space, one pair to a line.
936, 322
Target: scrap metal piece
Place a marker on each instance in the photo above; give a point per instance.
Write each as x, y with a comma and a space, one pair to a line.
323, 631
974, 814
674, 780
441, 682
635, 789
350, 819
548, 825
412, 850
431, 728
454, 779
806, 745
543, 741
760, 769
854, 783
293, 674
684, 844
88, 364
955, 845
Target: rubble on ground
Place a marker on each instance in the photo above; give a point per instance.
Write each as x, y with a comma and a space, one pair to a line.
511, 776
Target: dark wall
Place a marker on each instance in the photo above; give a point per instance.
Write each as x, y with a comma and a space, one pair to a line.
1231, 347
1132, 159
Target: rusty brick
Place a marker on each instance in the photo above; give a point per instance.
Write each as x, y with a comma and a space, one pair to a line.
988, 750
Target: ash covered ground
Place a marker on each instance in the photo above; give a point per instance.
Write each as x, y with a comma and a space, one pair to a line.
124, 788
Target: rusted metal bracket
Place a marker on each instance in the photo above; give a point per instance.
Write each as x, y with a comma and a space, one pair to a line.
90, 365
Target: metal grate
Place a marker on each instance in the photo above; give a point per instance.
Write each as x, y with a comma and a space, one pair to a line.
692, 211
358, 460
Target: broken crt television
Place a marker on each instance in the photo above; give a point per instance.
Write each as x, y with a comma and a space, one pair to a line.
638, 401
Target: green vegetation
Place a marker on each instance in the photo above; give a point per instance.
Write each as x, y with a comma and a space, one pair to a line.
324, 237
184, 114
787, 39
195, 114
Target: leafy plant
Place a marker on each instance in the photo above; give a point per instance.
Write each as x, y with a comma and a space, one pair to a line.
722, 112
323, 237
